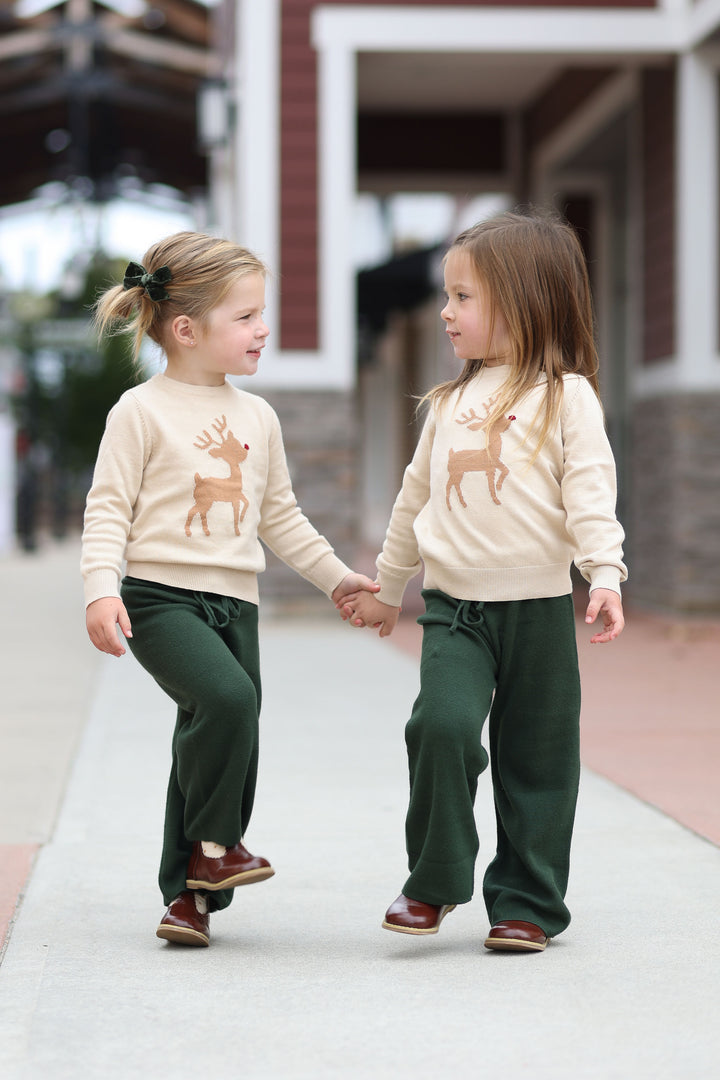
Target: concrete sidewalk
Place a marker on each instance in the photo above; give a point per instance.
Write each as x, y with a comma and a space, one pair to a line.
300, 981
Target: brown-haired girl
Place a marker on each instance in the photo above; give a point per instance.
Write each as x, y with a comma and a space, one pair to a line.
512, 480
190, 476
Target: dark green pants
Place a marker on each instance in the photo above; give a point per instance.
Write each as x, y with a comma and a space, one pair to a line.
202, 649
515, 662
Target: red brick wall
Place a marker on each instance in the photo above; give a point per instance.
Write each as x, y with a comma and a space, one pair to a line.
298, 179
298, 157
658, 198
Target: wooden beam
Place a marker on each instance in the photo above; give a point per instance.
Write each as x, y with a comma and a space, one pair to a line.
190, 21
162, 53
27, 42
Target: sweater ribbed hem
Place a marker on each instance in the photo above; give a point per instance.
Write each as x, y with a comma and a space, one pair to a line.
473, 583
241, 584
325, 575
502, 583
523, 583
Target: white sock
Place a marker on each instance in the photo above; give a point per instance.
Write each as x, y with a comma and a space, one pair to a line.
201, 904
212, 850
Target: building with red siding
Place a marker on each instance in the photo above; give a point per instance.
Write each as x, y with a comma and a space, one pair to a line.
608, 110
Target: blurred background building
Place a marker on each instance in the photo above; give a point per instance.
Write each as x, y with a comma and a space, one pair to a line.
304, 128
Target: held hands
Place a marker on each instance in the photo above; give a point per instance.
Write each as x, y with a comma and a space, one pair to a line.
354, 600
364, 609
102, 617
352, 583
607, 603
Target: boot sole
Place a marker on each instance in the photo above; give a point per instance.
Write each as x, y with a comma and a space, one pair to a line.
248, 877
182, 935
414, 930
514, 945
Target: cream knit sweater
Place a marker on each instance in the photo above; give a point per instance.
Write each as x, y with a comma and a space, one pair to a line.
486, 523
187, 479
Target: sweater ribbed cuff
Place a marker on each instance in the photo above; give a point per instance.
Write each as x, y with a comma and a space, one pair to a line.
327, 574
605, 577
100, 583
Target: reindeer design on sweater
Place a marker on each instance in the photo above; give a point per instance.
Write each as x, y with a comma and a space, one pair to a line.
487, 460
211, 489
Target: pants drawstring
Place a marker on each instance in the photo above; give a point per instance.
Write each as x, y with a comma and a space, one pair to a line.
468, 613
220, 610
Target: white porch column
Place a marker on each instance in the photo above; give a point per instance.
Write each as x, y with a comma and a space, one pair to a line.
697, 224
337, 112
7, 482
257, 133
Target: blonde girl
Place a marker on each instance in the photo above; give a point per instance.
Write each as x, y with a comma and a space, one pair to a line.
191, 475
513, 480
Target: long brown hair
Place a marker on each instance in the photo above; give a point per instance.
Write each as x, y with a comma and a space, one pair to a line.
203, 268
534, 271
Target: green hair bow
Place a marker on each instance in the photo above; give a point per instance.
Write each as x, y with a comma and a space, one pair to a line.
153, 284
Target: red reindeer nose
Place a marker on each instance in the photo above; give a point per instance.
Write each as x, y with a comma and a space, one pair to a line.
247, 447
512, 417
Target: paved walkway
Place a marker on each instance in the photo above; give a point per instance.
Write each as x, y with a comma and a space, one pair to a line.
300, 982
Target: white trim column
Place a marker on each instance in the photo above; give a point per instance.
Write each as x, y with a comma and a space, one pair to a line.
7, 482
257, 136
696, 363
337, 162
697, 223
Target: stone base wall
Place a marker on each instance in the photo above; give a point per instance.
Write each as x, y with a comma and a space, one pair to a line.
320, 431
674, 500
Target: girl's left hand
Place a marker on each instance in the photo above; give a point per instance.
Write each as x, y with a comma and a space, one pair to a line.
351, 583
607, 603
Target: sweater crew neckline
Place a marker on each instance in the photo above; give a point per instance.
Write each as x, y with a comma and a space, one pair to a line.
161, 379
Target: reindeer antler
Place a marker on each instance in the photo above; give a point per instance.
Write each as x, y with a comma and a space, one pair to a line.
472, 418
206, 437
206, 442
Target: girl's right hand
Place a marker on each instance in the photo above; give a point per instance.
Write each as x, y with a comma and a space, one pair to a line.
364, 609
607, 604
102, 617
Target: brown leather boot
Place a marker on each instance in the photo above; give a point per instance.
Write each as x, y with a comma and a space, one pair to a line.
186, 921
236, 867
414, 917
513, 935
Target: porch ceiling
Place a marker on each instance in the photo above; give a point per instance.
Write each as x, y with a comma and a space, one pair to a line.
435, 81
